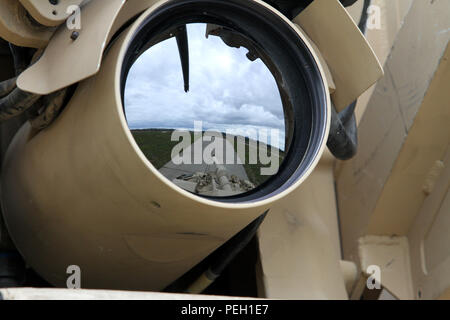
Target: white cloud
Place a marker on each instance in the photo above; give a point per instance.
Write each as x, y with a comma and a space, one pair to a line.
226, 89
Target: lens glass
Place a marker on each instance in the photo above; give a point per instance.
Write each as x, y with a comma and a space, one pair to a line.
205, 109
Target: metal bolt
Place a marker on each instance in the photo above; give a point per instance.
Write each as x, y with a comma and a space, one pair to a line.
74, 36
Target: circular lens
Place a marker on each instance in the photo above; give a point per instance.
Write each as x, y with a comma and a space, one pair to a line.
224, 98
207, 114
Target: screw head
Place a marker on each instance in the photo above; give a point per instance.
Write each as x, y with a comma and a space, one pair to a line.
74, 36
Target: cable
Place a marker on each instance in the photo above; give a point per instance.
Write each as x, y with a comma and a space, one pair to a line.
224, 255
343, 139
16, 103
7, 86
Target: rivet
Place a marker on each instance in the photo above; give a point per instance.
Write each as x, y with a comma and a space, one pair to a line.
74, 36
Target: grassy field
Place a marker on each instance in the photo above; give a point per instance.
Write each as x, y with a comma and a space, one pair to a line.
157, 146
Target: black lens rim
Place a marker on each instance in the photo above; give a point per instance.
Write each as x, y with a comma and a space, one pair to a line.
301, 75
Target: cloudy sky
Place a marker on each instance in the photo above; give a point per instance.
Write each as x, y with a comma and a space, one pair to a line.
227, 91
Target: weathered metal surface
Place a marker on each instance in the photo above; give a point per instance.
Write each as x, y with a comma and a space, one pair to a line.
16, 27
66, 61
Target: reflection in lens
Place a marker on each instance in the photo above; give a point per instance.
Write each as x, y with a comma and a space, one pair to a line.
214, 126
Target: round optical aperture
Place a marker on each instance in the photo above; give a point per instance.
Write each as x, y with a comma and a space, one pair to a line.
269, 38
213, 124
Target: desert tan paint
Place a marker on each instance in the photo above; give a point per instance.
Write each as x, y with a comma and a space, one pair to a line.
404, 93
100, 21
427, 142
351, 60
130, 9
48, 14
37, 81
391, 255
16, 28
66, 61
329, 76
355, 11
392, 17
393, 14
429, 240
82, 193
299, 242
